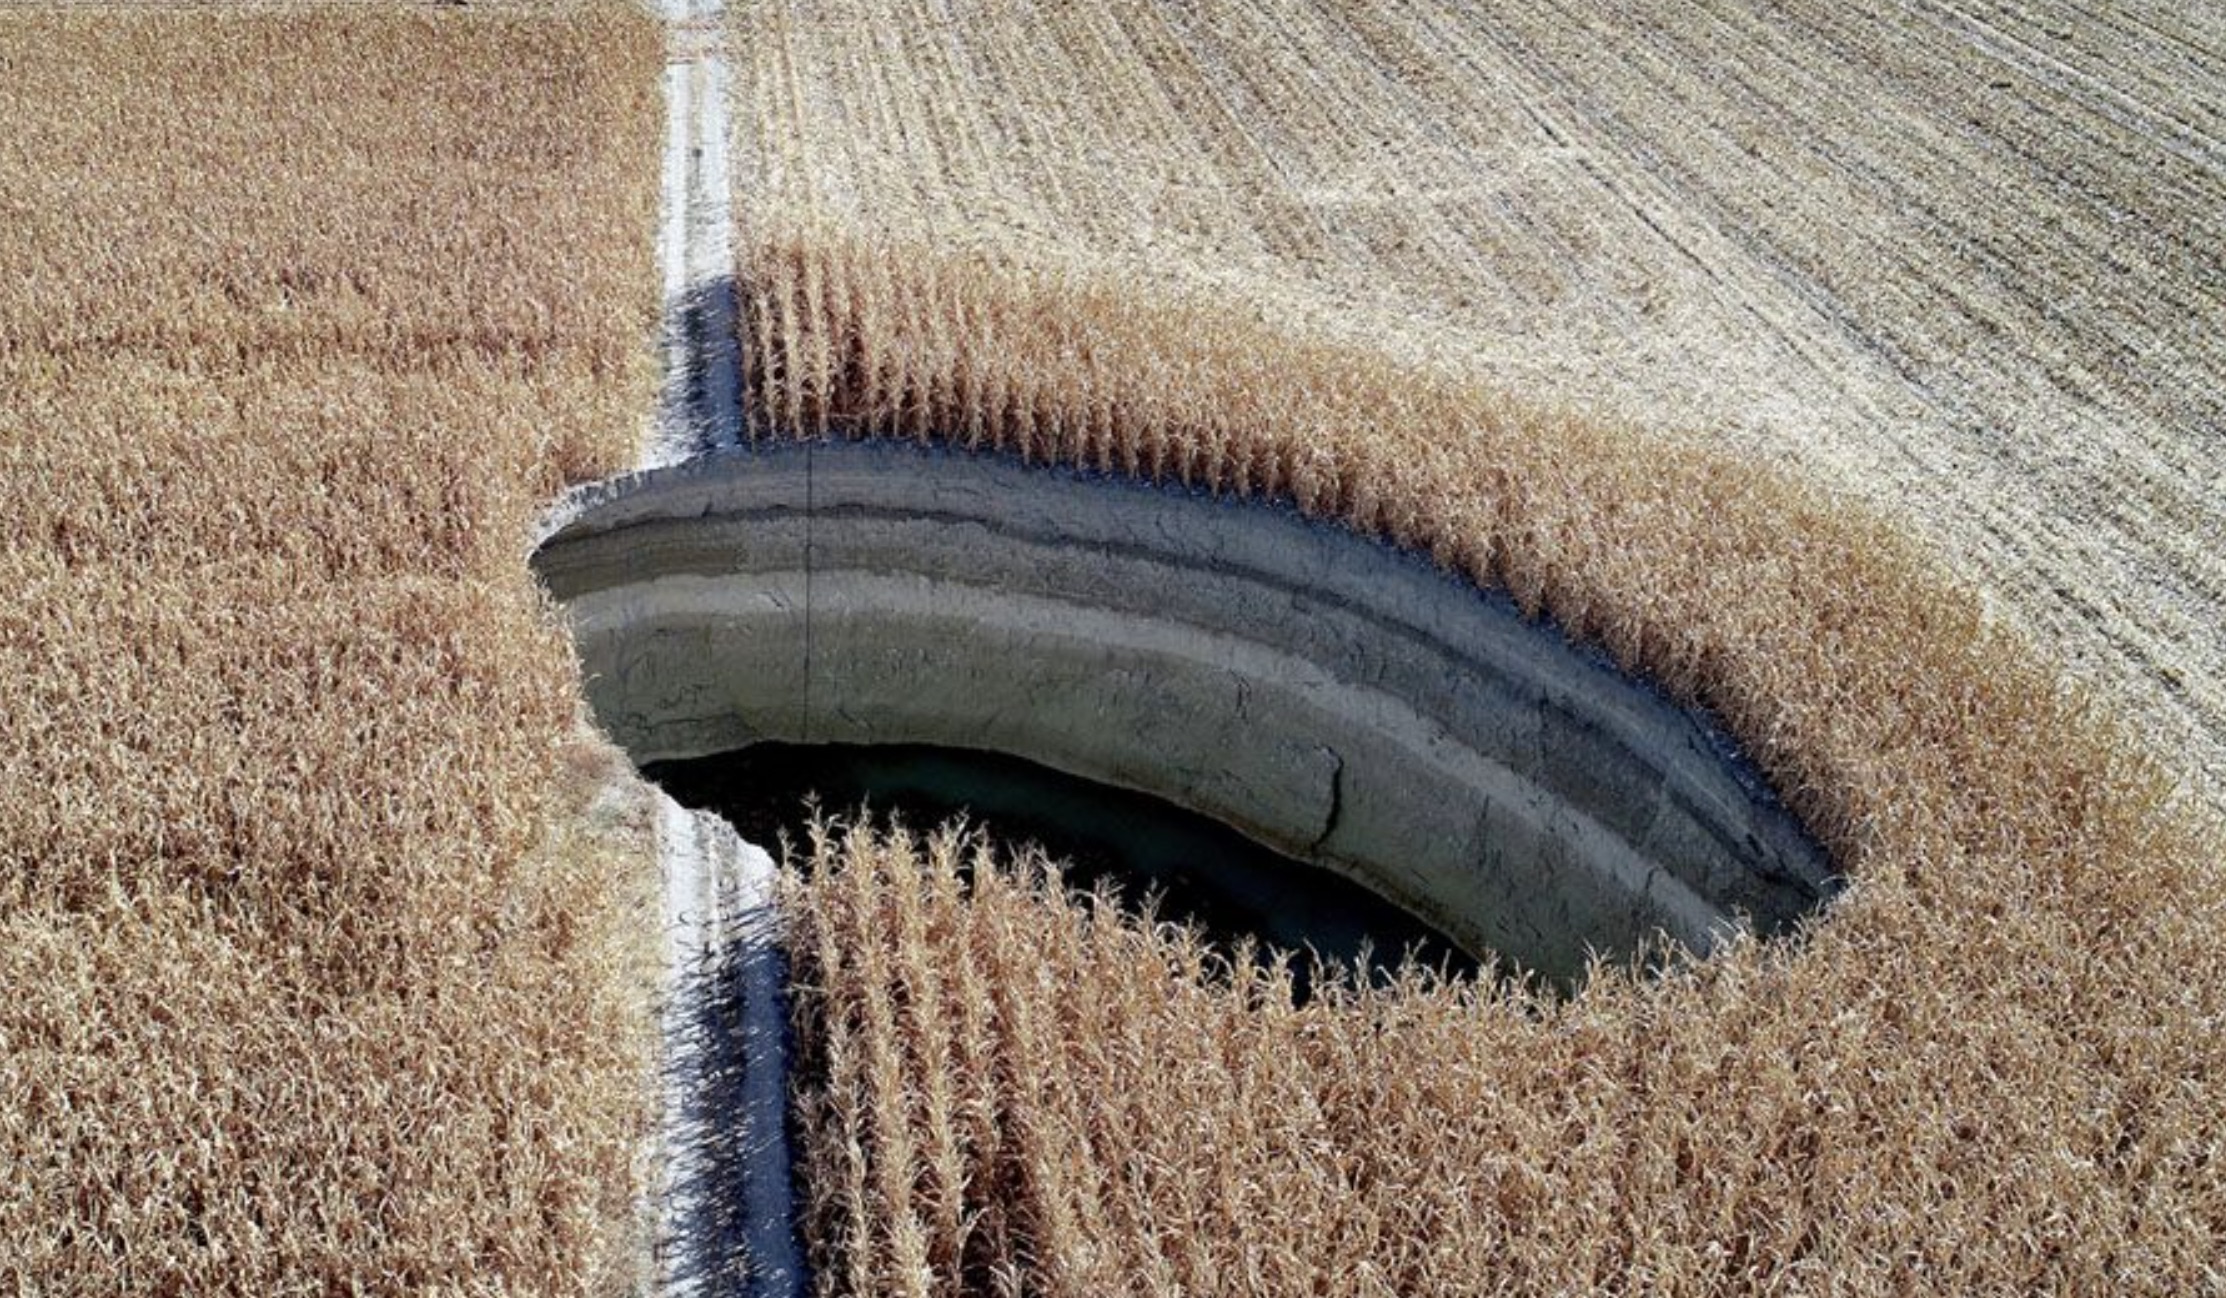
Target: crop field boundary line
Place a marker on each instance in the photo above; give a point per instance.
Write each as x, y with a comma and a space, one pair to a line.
725, 1205
701, 408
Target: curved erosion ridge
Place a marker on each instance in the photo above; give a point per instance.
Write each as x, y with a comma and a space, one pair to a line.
1344, 702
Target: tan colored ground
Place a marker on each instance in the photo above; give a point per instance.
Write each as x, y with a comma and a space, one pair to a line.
320, 948
1164, 240
315, 955
1967, 264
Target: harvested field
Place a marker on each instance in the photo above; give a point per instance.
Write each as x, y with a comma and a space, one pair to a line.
1965, 264
1861, 407
322, 956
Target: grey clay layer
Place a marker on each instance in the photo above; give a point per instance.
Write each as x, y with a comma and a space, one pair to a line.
1339, 700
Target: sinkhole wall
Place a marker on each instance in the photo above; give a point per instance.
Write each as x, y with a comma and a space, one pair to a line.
1339, 700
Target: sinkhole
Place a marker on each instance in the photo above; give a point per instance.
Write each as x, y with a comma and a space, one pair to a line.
1151, 855
1048, 637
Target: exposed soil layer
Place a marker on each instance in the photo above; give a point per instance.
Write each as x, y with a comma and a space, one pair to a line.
1333, 698
1309, 252
1964, 261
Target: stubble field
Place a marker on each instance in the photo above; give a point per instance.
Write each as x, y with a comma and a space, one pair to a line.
1855, 377
1964, 264
1852, 377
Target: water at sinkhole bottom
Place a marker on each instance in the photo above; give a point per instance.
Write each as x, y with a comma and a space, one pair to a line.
1201, 872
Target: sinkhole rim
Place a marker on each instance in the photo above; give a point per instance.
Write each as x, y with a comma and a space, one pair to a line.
1403, 726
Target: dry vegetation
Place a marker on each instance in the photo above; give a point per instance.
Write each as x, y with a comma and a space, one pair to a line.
319, 971
1964, 261
1081, 233
1017, 1092
1994, 1068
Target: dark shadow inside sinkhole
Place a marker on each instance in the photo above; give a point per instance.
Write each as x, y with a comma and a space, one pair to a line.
1151, 854
1350, 705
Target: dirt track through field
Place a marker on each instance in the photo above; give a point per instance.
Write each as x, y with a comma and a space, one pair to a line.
1966, 265
723, 1198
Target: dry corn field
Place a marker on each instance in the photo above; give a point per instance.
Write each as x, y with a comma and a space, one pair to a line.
321, 968
1964, 262
1857, 377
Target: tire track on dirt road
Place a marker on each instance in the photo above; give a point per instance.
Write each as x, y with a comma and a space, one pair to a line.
724, 1206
